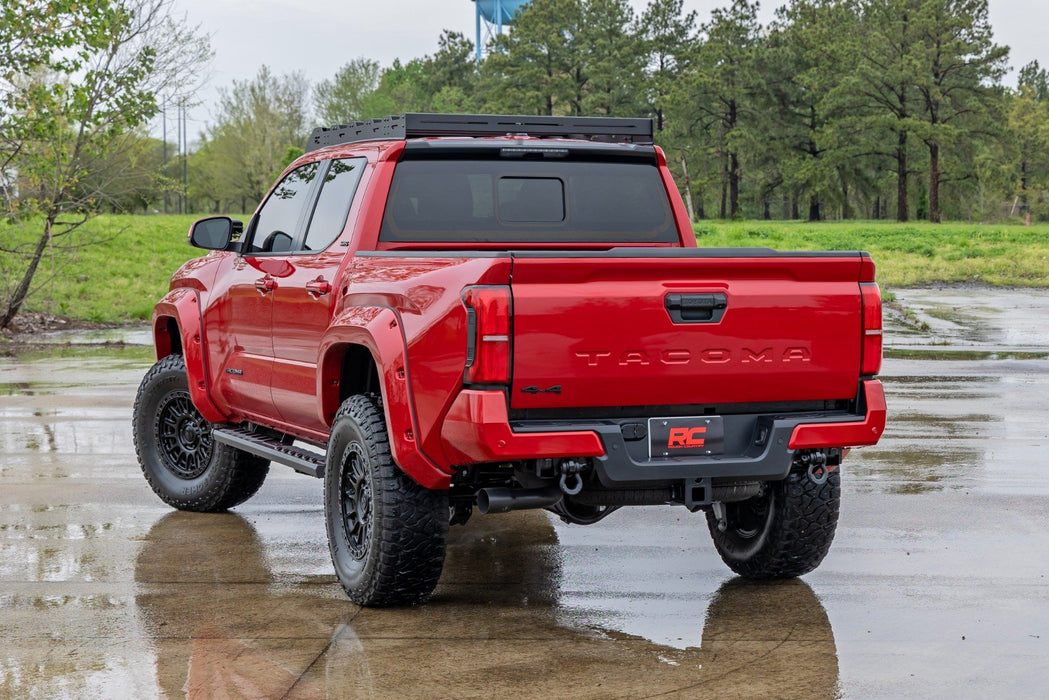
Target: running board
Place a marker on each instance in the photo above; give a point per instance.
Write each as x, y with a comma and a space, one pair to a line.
302, 461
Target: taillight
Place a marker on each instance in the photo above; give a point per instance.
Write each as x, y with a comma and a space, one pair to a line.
488, 335
872, 336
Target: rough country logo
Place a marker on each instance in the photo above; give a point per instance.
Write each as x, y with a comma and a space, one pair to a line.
681, 438
685, 436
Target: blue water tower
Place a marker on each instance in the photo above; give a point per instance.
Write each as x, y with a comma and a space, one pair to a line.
492, 16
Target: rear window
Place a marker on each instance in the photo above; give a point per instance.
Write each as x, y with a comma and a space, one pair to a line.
516, 201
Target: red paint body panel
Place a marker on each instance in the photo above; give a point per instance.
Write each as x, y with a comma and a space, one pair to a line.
238, 326
378, 328
677, 204
425, 293
477, 429
599, 328
299, 320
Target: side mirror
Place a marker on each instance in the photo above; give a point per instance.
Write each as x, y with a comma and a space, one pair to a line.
214, 232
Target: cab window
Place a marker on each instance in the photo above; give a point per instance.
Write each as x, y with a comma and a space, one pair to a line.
507, 201
329, 216
278, 220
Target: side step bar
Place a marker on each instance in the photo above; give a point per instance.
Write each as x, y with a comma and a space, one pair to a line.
302, 461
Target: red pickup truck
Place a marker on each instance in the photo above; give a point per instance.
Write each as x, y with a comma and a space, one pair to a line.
436, 313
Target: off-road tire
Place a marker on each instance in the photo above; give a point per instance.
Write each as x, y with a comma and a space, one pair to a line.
179, 458
783, 533
387, 534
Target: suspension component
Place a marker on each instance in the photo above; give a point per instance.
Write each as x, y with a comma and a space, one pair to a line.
718, 509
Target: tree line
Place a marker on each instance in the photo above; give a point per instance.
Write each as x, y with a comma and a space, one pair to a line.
79, 79
836, 109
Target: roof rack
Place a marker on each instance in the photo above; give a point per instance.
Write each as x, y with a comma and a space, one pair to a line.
419, 125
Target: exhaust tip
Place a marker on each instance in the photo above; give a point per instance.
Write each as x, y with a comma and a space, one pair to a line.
504, 500
483, 502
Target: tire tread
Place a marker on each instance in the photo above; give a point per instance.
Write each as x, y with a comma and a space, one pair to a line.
800, 532
410, 522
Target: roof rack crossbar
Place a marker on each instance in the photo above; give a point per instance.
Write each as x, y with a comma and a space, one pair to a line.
420, 125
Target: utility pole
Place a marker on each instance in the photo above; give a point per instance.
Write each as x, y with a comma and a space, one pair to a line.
164, 166
178, 148
185, 155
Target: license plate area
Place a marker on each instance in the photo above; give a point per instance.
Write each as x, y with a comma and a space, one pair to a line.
697, 436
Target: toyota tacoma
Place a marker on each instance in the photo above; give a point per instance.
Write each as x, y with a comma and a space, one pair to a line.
442, 313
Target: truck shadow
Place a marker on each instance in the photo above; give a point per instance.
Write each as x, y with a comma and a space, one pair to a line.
223, 622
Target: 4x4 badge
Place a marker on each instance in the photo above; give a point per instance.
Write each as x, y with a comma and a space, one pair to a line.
555, 389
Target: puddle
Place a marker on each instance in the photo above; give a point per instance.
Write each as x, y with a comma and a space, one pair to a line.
1008, 319
124, 355
31, 388
126, 335
961, 354
938, 379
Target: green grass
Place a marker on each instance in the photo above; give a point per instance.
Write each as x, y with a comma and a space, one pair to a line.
114, 281
910, 254
119, 280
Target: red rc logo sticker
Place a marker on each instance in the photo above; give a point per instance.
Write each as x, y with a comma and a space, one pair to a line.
681, 438
676, 437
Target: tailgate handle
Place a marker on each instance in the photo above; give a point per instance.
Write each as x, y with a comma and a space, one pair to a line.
696, 308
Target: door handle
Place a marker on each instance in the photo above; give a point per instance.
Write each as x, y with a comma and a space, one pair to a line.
318, 287
265, 285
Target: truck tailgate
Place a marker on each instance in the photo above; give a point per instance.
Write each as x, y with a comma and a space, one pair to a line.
663, 327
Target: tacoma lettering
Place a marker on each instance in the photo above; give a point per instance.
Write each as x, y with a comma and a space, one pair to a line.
707, 356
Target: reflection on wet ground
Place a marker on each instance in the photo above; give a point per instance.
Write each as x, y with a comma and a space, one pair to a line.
937, 583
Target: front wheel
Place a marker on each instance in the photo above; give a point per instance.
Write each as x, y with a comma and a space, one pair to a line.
386, 533
178, 455
784, 532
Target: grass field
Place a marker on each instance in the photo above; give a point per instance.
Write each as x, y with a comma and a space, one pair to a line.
115, 281
908, 255
119, 280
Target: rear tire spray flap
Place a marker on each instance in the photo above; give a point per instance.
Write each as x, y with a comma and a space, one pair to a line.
379, 329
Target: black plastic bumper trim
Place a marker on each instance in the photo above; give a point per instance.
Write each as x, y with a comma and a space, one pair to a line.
768, 461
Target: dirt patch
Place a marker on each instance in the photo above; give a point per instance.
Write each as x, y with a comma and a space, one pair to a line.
30, 323
37, 331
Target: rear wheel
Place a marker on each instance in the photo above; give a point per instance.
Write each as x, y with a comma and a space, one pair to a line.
784, 532
178, 455
386, 533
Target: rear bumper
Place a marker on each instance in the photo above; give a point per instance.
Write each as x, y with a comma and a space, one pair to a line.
760, 447
851, 433
477, 429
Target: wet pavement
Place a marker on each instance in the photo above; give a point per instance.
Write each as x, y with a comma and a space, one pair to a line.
937, 584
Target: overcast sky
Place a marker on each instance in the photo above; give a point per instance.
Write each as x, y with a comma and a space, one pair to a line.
318, 36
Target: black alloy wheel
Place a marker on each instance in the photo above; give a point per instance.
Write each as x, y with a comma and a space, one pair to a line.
184, 437
356, 500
